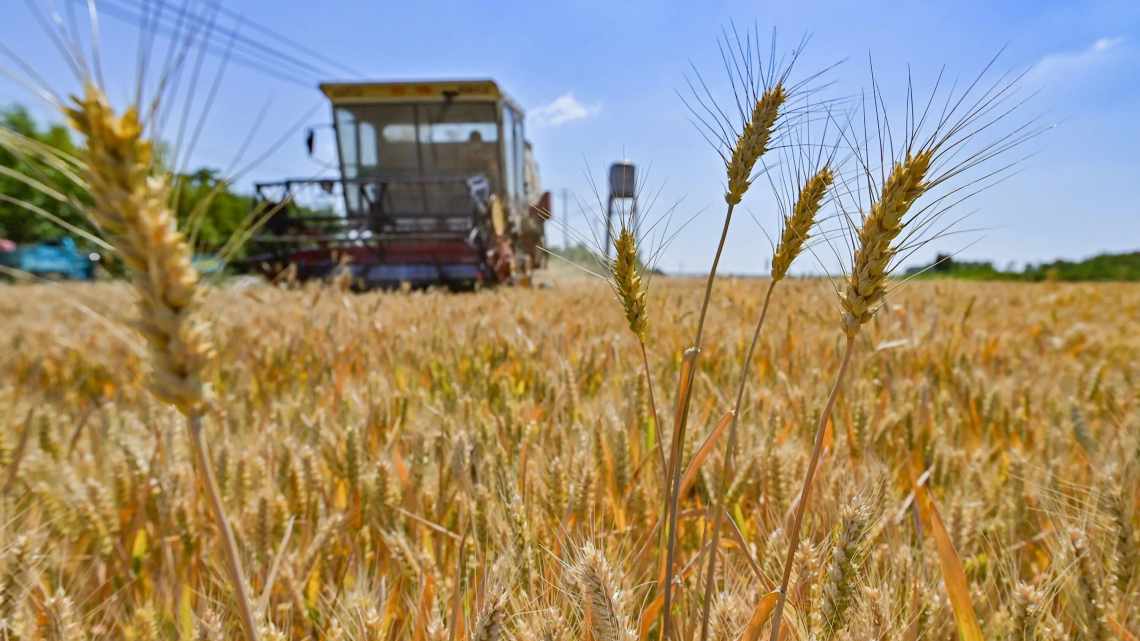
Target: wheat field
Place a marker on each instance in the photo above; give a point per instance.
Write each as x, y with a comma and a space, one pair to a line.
431, 466
850, 458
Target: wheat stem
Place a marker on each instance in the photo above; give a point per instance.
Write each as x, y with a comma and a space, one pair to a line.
686, 395
18, 455
656, 423
801, 506
726, 464
229, 543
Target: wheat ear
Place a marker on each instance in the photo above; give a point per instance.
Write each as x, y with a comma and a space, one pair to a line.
1124, 556
131, 208
752, 142
598, 597
631, 291
489, 624
1095, 624
1026, 612
58, 620
867, 283
625, 275
797, 226
846, 557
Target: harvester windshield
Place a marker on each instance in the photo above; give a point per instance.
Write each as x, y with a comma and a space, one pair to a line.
397, 139
432, 139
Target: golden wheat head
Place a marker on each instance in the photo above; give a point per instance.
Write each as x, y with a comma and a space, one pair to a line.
866, 285
627, 282
798, 225
598, 597
132, 209
840, 585
489, 626
753, 142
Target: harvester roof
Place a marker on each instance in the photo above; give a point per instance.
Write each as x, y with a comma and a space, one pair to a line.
412, 91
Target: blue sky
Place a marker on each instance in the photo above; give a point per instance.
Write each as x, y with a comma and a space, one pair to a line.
599, 80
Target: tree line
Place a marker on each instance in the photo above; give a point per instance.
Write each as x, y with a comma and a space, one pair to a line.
225, 214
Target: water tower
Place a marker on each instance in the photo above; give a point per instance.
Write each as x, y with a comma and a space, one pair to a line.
623, 186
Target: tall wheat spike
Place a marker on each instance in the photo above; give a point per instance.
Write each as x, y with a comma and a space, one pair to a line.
752, 142
866, 284
879, 238
751, 145
131, 208
627, 282
797, 227
631, 290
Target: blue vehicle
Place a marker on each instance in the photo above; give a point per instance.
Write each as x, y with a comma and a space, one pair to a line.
58, 259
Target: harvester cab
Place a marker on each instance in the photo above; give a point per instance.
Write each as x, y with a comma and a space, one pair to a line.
437, 185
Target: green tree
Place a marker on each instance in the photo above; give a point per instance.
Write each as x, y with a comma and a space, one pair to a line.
218, 211
19, 223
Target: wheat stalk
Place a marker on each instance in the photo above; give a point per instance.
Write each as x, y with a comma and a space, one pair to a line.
131, 208
751, 144
866, 287
631, 290
796, 230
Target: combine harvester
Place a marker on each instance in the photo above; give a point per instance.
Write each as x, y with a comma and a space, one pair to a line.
437, 185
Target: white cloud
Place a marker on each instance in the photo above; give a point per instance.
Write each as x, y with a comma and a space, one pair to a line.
1104, 44
1056, 67
561, 110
